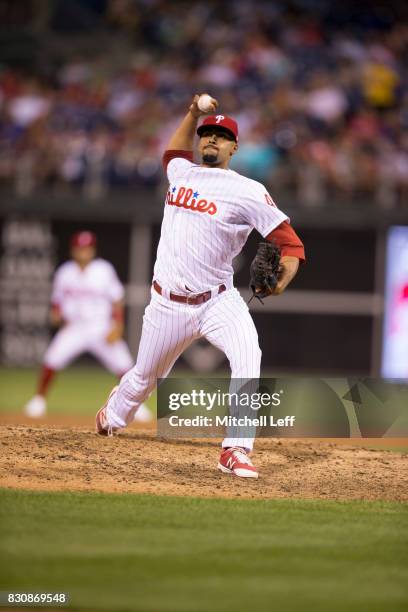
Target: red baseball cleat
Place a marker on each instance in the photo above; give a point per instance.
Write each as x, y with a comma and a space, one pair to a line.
102, 426
236, 461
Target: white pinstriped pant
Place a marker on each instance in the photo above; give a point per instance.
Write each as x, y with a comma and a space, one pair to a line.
168, 329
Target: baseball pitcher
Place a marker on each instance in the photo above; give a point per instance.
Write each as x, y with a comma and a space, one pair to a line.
209, 212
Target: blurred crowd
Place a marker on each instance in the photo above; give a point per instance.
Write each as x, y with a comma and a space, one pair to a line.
320, 95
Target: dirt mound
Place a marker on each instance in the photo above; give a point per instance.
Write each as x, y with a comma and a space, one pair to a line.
60, 458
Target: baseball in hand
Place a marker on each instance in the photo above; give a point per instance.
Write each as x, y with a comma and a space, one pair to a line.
205, 103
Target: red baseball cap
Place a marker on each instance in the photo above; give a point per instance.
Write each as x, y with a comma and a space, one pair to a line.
222, 121
83, 239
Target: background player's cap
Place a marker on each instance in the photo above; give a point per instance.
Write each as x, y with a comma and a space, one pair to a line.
222, 121
83, 239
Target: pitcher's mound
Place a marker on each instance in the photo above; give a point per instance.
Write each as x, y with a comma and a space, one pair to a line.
135, 461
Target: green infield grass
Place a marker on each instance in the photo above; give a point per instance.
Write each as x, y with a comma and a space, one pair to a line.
144, 553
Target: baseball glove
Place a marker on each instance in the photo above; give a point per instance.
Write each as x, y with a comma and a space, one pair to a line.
264, 270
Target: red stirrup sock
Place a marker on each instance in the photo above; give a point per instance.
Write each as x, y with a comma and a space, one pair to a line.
46, 376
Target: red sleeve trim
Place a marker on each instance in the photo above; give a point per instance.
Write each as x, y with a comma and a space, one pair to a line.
173, 153
288, 241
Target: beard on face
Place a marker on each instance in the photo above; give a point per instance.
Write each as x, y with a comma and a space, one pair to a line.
210, 158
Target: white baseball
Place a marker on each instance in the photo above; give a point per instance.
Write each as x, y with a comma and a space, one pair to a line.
205, 103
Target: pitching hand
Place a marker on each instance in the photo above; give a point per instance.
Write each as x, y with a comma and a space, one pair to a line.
196, 112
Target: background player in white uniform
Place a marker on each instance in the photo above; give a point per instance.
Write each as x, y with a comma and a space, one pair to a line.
87, 302
209, 213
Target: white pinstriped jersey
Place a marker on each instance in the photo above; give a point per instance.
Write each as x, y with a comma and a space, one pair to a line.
86, 295
209, 214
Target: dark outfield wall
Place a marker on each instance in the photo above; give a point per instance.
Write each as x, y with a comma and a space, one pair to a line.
339, 260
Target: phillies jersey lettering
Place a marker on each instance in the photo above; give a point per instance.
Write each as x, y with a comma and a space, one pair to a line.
86, 295
208, 216
188, 198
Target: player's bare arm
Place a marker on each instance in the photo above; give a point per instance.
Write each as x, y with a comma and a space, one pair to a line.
183, 137
56, 319
117, 328
289, 266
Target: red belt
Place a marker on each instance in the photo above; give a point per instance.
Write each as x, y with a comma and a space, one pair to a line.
185, 299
